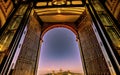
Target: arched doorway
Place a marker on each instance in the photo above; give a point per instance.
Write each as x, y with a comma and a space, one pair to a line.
92, 48
60, 51
92, 55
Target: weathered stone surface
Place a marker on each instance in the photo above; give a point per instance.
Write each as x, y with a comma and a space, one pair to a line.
26, 63
93, 56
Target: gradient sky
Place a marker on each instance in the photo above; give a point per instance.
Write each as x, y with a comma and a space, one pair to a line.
59, 50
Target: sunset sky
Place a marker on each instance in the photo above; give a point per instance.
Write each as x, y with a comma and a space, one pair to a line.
59, 50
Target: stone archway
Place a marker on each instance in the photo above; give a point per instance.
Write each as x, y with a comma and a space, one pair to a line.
70, 27
91, 52
92, 56
44, 50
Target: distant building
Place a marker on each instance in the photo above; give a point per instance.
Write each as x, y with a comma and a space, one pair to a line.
64, 73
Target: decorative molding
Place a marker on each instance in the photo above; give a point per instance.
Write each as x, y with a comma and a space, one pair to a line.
3, 11
5, 7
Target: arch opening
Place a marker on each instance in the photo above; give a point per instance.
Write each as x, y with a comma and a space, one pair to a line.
60, 53
70, 27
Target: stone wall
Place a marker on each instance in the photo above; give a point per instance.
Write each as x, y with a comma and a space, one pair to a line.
26, 63
93, 57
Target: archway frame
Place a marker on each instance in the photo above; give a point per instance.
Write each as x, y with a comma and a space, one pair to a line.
70, 27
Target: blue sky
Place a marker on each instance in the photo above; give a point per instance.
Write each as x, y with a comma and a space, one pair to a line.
59, 50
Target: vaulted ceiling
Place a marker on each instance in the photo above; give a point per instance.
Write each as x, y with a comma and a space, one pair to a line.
68, 12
